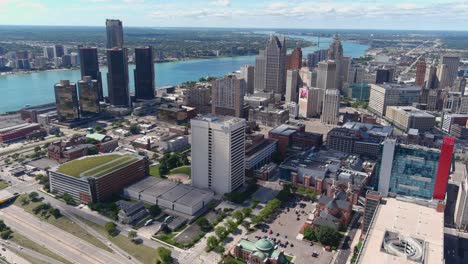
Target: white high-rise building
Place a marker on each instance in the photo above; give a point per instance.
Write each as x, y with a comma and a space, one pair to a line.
331, 107
452, 62
247, 72
218, 152
310, 101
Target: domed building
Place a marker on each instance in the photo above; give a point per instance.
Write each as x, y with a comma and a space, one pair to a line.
260, 252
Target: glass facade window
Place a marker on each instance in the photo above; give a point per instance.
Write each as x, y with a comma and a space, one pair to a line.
414, 172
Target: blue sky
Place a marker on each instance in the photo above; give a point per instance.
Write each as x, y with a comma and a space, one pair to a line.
335, 14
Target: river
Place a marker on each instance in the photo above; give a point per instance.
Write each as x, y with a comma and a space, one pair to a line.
17, 90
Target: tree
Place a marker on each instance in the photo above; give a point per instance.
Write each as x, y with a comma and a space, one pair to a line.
203, 223
34, 196
135, 129
328, 236
24, 200
231, 225
98, 128
154, 210
37, 149
111, 228
238, 215
212, 242
132, 234
246, 212
164, 255
163, 169
68, 199
220, 232
255, 202
93, 151
55, 212
309, 234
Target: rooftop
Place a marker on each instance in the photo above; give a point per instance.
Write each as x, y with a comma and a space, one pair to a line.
413, 223
411, 111
96, 166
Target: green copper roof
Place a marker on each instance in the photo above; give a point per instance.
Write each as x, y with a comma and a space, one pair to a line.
264, 245
260, 255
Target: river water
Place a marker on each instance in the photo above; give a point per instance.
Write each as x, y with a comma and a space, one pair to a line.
37, 88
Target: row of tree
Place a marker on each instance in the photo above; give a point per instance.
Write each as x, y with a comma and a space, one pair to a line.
172, 161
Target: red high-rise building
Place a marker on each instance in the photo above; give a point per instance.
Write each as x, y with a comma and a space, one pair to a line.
294, 60
443, 170
420, 71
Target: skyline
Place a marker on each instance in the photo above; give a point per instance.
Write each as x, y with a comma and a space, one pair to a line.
321, 14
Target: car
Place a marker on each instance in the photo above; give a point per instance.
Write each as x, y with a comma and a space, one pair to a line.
298, 219
3, 249
311, 244
292, 245
315, 255
15, 193
271, 232
277, 234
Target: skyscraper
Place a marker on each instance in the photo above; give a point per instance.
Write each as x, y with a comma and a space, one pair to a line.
144, 73
270, 67
89, 66
430, 78
314, 58
292, 85
218, 153
443, 77
335, 53
294, 60
326, 74
227, 96
331, 107
310, 101
452, 62
117, 77
89, 96
247, 72
66, 99
114, 30
420, 72
59, 51
49, 52
443, 169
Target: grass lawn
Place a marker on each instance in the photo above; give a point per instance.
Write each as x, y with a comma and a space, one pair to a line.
154, 171
183, 169
65, 224
27, 243
29, 258
289, 258
3, 185
76, 167
141, 252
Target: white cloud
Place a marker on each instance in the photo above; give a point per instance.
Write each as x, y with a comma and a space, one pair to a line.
224, 3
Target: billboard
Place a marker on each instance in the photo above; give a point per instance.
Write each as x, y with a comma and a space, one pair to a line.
303, 93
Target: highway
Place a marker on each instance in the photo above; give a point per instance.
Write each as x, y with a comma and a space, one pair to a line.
57, 240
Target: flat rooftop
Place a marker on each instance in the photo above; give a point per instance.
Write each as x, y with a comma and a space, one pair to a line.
96, 166
408, 220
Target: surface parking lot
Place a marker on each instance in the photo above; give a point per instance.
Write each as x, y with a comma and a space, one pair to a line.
285, 228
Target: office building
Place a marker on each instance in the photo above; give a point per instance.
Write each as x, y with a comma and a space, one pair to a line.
355, 74
442, 76
408, 117
403, 232
218, 153
269, 116
117, 77
227, 95
66, 61
335, 53
89, 66
383, 76
448, 120
86, 181
308, 77
314, 58
144, 73
292, 85
430, 78
461, 207
23, 55
420, 72
75, 59
295, 136
459, 85
373, 200
247, 72
258, 152
331, 107
310, 101
384, 95
114, 31
294, 60
414, 171
59, 51
326, 75
357, 91
198, 97
49, 52
270, 66
89, 96
66, 99
452, 63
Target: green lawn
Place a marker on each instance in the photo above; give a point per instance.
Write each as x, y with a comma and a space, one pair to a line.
65, 224
27, 243
154, 171
141, 252
76, 167
3, 185
183, 169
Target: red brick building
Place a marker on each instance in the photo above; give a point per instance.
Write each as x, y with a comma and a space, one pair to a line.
294, 136
17, 132
294, 60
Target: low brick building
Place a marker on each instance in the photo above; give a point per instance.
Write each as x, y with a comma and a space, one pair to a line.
294, 136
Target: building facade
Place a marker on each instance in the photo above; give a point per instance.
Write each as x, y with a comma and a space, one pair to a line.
384, 95
89, 66
270, 66
66, 99
227, 95
114, 30
218, 153
331, 107
89, 96
408, 117
144, 73
117, 77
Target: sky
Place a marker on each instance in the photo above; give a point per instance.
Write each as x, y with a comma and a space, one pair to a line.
332, 14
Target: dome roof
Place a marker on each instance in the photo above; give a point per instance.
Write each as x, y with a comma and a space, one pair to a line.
260, 255
264, 245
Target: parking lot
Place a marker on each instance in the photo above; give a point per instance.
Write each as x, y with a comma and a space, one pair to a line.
286, 228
